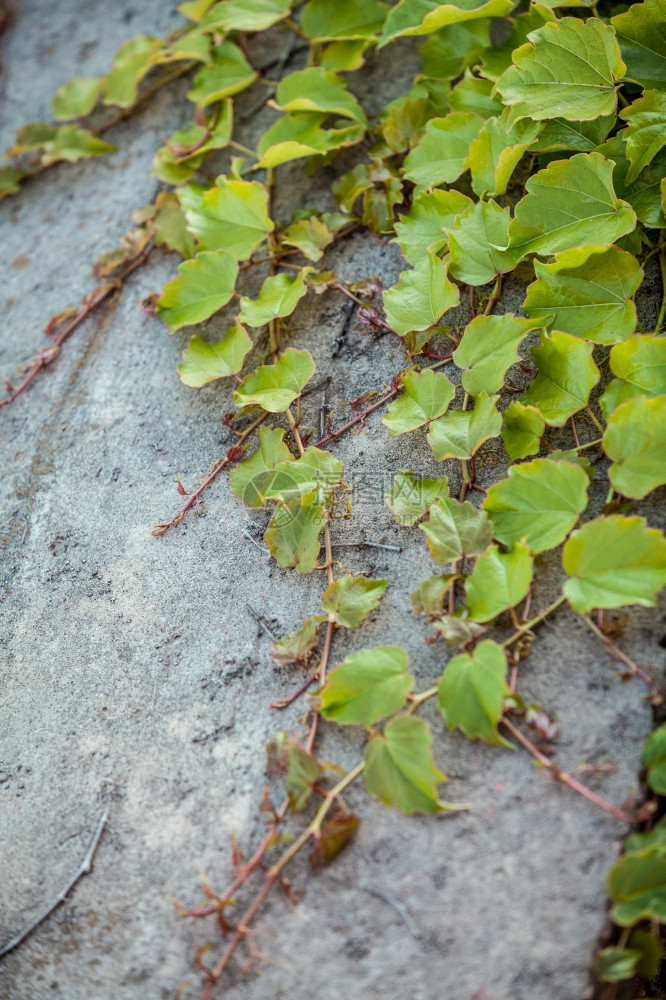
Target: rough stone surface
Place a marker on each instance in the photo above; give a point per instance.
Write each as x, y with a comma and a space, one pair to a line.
135, 676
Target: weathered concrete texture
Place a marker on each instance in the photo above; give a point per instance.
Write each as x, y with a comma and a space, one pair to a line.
134, 674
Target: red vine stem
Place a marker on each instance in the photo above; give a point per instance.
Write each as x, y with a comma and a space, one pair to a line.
565, 778
231, 456
359, 418
619, 655
90, 303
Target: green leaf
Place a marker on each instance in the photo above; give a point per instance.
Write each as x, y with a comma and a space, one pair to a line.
203, 362
72, 143
614, 561
319, 90
570, 204
351, 599
228, 73
292, 536
314, 468
650, 952
195, 44
640, 366
454, 529
367, 686
421, 17
336, 832
275, 387
420, 296
634, 440
567, 375
421, 229
246, 15
131, 63
302, 775
613, 965
442, 155
399, 768
500, 581
344, 56
471, 693
204, 284
250, 478
538, 503
475, 95
427, 395
523, 427
646, 134
497, 58
637, 887
410, 497
642, 37
298, 645
446, 54
584, 137
497, 150
460, 434
171, 225
568, 69
323, 21
428, 598
644, 195
310, 236
654, 758
10, 180
473, 241
187, 147
232, 216
586, 292
77, 98
279, 296
488, 348
295, 136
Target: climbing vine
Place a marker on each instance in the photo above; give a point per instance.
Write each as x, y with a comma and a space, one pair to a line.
540, 156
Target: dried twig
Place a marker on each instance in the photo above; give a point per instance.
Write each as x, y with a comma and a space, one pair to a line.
83, 869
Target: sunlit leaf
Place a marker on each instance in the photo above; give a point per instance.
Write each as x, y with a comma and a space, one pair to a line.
71, 143
275, 387
279, 296
641, 32
351, 599
367, 686
646, 133
411, 496
613, 965
344, 56
421, 17
204, 284
310, 236
500, 581
323, 21
319, 90
474, 95
171, 225
582, 137
614, 561
640, 366
567, 375
488, 348
472, 690
637, 887
292, 536
420, 296
568, 69
10, 180
498, 58
522, 431
654, 758
228, 73
246, 15
538, 503
422, 227
427, 395
587, 292
298, 645
473, 241
455, 528
314, 468
428, 597
635, 441
232, 216
644, 195
448, 52
497, 150
302, 775
76, 98
176, 162
443, 153
297, 135
399, 768
203, 362
130, 64
570, 204
460, 433
250, 478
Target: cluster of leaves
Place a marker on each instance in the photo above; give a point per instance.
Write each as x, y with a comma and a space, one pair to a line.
543, 158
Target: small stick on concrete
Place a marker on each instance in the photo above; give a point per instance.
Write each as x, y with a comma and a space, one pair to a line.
399, 907
262, 548
83, 869
260, 621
